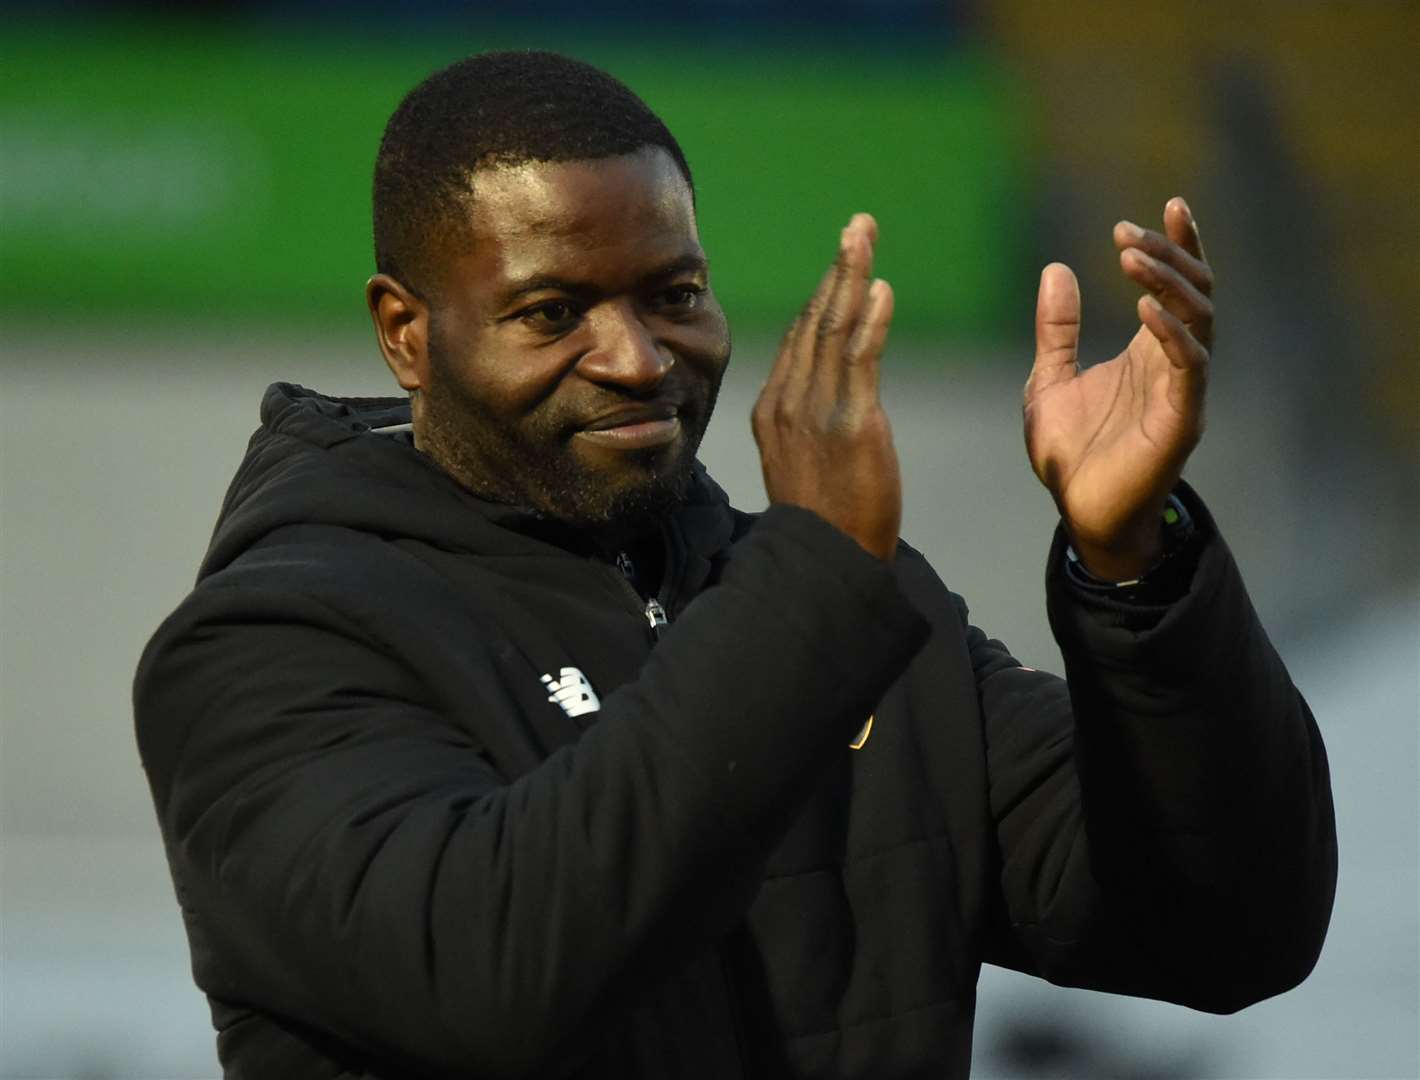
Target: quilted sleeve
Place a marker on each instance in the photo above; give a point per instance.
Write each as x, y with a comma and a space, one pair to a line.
1163, 815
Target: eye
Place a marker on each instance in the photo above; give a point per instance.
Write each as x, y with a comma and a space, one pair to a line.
551, 315
680, 297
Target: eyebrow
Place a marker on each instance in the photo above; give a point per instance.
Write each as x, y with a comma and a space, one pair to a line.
688, 263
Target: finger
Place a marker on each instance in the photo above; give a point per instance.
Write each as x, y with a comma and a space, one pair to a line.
1171, 289
1167, 250
1057, 328
787, 356
1188, 363
784, 388
818, 366
865, 348
1186, 356
1182, 227
801, 358
791, 363
850, 288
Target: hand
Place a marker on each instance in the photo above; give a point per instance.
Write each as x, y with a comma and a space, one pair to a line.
824, 440
1110, 442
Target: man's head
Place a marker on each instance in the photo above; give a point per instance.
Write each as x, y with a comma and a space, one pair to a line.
542, 292
500, 108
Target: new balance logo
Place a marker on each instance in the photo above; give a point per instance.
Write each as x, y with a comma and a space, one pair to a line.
573, 692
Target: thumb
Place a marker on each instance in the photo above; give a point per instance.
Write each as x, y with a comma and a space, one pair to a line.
1057, 328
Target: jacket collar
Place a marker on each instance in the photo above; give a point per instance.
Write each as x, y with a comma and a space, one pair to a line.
363, 449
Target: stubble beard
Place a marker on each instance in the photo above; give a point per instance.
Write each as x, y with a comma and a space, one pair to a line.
533, 463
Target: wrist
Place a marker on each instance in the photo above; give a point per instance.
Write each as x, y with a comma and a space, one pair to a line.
1127, 558
1174, 529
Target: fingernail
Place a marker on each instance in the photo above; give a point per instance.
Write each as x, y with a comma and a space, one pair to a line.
1132, 231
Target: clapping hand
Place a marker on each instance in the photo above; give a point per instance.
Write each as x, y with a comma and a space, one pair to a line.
1110, 442
824, 440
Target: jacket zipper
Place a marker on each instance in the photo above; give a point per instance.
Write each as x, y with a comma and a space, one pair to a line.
651, 610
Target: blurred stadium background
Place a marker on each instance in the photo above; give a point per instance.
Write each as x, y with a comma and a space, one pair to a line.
184, 218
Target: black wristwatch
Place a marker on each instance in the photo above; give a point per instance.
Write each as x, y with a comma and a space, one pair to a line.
1163, 582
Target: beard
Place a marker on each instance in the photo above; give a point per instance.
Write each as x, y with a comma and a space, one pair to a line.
530, 460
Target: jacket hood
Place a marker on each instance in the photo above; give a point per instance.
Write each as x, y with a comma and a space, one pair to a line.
351, 462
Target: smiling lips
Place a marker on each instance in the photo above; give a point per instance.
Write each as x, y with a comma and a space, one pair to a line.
634, 428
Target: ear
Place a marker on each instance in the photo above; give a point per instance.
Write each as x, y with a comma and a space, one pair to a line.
401, 328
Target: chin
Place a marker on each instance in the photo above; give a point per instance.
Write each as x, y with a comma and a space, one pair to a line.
590, 498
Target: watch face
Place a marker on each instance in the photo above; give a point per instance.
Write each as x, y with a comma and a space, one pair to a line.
1178, 522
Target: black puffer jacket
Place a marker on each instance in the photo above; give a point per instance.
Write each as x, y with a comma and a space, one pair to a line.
406, 842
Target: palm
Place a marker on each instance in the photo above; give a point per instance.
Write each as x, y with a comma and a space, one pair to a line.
1110, 441
1106, 440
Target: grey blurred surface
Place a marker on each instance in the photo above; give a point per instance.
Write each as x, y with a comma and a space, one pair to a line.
114, 454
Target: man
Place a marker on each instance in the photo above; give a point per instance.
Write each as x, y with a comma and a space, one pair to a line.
493, 743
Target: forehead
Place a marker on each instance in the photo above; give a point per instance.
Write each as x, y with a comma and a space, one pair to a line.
578, 216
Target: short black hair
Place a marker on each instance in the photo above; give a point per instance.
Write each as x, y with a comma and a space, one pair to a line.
496, 108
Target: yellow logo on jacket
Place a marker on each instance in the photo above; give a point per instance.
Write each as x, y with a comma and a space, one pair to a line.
863, 733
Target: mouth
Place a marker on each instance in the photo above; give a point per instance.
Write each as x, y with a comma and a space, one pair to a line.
634, 427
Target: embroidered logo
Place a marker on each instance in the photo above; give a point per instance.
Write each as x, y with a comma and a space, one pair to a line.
862, 737
572, 691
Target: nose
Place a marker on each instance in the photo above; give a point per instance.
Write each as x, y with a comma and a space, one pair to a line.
624, 352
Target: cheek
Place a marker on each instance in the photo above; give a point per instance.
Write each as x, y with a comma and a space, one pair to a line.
706, 344
502, 378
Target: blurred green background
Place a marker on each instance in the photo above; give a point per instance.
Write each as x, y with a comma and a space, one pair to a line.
173, 168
